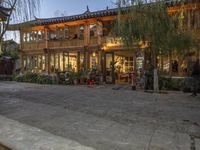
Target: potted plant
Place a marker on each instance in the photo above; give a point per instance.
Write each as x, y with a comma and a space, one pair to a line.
83, 77
75, 77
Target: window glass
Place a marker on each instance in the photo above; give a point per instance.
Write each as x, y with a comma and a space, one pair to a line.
93, 30
81, 32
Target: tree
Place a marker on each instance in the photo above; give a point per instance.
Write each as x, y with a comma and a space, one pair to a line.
151, 23
20, 10
59, 13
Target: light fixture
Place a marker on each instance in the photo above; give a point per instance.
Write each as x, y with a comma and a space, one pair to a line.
94, 54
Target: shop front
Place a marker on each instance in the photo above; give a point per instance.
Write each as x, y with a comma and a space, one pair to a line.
118, 66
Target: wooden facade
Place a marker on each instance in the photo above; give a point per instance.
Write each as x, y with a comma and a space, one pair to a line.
85, 41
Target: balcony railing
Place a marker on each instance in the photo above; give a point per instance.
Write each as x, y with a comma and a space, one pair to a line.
112, 41
34, 45
53, 44
66, 43
93, 41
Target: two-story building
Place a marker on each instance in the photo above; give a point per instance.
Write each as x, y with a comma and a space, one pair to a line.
85, 41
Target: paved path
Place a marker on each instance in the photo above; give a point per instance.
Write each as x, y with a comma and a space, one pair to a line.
106, 119
18, 136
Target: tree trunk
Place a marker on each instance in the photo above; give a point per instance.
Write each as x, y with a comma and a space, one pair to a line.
155, 73
155, 80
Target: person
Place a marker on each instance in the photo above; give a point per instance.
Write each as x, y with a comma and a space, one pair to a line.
195, 77
175, 66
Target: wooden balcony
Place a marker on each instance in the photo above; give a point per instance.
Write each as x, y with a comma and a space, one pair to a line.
93, 41
33, 45
111, 41
53, 44
66, 43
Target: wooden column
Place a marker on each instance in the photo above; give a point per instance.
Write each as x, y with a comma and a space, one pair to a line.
88, 59
64, 65
46, 62
37, 63
21, 47
49, 61
46, 37
104, 66
99, 60
59, 60
86, 34
113, 68
189, 19
85, 59
78, 61
99, 31
54, 61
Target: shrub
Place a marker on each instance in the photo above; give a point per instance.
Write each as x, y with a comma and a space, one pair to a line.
19, 78
44, 79
30, 77
33, 78
168, 83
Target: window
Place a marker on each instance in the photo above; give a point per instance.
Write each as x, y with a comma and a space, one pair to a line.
93, 30
107, 28
66, 32
52, 35
61, 33
28, 37
81, 32
25, 37
39, 35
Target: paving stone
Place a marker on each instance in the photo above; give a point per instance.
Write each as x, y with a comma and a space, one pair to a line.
103, 118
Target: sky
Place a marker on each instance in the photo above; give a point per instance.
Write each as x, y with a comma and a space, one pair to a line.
71, 7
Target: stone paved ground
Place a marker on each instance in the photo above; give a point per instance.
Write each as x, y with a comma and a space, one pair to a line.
106, 119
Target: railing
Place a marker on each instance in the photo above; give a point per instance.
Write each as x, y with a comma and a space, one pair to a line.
53, 44
111, 41
66, 43
93, 41
34, 45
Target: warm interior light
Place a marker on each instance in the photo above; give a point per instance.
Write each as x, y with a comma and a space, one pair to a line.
94, 54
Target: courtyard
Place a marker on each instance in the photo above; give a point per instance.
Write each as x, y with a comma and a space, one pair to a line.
102, 118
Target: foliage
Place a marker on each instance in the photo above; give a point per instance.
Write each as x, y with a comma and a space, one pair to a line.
20, 10
176, 84
10, 48
83, 77
44, 79
74, 75
151, 23
19, 78
30, 77
149, 26
33, 78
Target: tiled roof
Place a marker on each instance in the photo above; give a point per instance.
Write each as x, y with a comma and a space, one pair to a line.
86, 15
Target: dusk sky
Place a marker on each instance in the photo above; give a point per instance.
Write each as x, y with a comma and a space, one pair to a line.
71, 7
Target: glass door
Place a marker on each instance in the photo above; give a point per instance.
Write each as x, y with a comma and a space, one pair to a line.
109, 68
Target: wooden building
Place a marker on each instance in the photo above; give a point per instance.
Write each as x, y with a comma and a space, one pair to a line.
85, 41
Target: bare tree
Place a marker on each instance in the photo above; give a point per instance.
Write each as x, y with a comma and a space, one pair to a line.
20, 10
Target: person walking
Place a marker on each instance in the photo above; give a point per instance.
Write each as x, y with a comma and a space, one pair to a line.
195, 77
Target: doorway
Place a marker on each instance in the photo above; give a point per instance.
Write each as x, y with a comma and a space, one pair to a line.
109, 74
